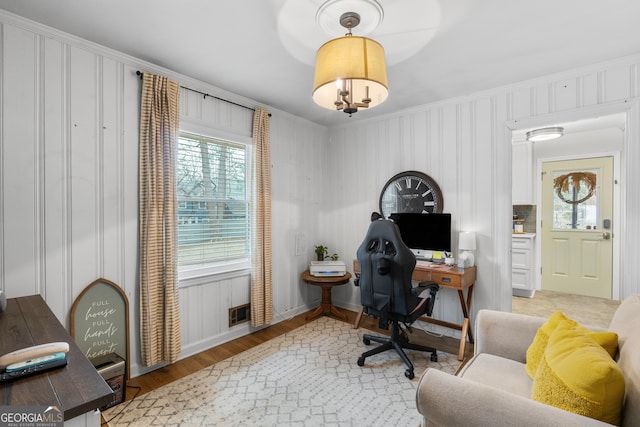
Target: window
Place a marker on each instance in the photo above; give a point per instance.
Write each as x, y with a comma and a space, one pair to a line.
575, 200
213, 202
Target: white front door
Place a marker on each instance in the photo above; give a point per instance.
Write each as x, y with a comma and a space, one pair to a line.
577, 208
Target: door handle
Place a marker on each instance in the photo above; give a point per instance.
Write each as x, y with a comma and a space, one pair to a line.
606, 235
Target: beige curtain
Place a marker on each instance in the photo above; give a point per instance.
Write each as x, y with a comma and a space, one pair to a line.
159, 306
261, 283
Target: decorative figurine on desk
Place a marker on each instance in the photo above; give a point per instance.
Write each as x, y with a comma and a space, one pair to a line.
449, 259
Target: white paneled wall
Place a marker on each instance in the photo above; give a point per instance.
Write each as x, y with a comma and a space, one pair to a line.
465, 145
69, 121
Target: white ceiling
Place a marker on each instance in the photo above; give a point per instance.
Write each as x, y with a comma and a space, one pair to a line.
264, 49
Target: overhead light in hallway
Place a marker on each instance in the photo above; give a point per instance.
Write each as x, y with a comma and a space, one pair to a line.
545, 134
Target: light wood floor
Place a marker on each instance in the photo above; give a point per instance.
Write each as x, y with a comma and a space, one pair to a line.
590, 311
585, 310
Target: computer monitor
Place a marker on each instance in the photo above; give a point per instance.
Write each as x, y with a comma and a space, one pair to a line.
424, 233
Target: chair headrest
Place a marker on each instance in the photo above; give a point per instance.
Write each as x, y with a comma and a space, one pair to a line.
383, 236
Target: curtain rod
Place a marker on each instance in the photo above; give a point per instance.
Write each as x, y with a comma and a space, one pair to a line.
140, 73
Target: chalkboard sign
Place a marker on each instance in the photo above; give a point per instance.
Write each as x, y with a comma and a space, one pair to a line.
100, 321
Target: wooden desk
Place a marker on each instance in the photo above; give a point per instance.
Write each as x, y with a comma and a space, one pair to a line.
76, 388
326, 283
460, 279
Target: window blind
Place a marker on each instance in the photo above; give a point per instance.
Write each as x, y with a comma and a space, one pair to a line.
213, 207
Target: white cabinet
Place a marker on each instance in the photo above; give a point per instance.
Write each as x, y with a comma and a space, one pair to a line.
522, 175
522, 265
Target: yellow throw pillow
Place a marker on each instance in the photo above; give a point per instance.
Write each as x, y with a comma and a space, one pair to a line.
576, 374
608, 340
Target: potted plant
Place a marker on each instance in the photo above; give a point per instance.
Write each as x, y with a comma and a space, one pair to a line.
321, 251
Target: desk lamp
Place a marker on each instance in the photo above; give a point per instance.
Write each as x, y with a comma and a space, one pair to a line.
466, 244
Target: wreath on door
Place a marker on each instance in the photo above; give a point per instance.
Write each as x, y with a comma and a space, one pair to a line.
561, 185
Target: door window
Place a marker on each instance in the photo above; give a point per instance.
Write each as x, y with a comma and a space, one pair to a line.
575, 200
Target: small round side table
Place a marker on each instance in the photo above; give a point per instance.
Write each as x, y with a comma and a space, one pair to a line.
326, 283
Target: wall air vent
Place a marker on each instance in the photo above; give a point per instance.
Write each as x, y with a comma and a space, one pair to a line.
239, 314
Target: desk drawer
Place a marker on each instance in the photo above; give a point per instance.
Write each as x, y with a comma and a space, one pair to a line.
451, 277
446, 279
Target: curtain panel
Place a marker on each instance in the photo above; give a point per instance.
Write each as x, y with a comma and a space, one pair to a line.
261, 253
158, 233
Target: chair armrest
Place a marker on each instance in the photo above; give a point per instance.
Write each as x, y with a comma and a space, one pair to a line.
505, 334
424, 286
447, 400
426, 291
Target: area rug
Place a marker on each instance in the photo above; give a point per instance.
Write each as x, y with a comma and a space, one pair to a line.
306, 377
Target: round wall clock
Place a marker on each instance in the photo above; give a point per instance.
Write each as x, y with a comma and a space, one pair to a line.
410, 191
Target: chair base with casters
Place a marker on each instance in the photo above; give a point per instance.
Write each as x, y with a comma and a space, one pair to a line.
397, 341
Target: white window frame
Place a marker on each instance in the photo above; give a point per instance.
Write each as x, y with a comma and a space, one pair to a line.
189, 275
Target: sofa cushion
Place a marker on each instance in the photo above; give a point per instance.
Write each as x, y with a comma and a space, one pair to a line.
576, 374
608, 340
625, 323
482, 368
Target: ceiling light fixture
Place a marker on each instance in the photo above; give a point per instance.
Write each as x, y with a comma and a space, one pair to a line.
545, 134
349, 67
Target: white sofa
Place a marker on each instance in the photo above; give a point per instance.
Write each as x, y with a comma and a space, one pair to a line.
493, 388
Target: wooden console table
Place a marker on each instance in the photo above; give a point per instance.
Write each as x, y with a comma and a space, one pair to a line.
326, 283
76, 388
451, 277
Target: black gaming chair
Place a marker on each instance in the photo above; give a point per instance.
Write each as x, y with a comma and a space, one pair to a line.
386, 291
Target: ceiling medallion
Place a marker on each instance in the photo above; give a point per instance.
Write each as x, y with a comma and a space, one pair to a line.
329, 13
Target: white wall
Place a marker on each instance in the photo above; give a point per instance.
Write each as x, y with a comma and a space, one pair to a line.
68, 179
69, 175
465, 145
456, 143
